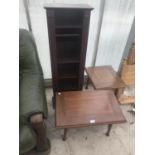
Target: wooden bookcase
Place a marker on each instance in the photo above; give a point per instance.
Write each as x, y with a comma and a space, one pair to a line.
68, 27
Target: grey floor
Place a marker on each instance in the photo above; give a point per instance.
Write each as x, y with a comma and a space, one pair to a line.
92, 140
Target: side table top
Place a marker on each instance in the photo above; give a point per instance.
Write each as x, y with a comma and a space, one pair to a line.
104, 77
85, 108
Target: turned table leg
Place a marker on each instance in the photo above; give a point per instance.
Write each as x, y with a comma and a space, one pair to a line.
65, 134
109, 129
43, 144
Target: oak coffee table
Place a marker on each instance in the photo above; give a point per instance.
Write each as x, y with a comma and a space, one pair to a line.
103, 77
86, 108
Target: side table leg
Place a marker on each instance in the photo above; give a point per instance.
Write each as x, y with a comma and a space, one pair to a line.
87, 82
109, 129
65, 134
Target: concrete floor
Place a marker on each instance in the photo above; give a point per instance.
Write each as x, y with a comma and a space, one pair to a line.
91, 140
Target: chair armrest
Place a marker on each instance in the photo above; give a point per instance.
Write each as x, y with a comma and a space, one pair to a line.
32, 95
36, 118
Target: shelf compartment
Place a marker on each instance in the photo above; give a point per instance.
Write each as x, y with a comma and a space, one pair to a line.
68, 76
68, 84
68, 50
71, 31
68, 35
68, 70
58, 27
69, 59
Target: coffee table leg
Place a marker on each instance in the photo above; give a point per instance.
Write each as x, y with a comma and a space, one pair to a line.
65, 134
87, 82
109, 129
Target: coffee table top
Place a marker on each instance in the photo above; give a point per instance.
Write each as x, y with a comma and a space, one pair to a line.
84, 108
104, 77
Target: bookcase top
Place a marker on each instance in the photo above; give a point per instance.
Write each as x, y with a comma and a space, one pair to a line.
67, 6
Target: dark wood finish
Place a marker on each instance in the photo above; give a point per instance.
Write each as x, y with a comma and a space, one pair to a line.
104, 77
83, 46
68, 27
43, 144
109, 129
85, 108
64, 135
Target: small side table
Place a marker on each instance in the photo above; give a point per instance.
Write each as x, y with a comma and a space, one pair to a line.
103, 78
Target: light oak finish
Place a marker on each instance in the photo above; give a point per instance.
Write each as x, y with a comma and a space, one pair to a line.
131, 56
126, 99
104, 77
127, 74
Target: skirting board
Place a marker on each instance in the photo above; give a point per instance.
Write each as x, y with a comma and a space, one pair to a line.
48, 82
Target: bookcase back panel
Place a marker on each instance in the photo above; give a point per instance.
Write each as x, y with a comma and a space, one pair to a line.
68, 70
68, 17
68, 49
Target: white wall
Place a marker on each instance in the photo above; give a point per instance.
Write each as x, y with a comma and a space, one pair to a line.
39, 29
112, 21
116, 24
22, 16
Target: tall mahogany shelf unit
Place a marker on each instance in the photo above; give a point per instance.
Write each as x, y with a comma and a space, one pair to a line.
68, 27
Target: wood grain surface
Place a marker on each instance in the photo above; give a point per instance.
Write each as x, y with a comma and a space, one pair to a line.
85, 108
104, 77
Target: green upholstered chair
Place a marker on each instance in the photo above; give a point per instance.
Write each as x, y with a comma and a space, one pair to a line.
32, 100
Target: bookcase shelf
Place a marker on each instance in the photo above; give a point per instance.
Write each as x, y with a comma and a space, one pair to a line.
68, 61
68, 84
69, 27
67, 35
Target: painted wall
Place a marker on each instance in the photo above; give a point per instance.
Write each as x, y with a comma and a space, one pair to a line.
116, 24
22, 16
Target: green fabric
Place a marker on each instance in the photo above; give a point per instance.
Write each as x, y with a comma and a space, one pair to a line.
32, 93
27, 139
32, 98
